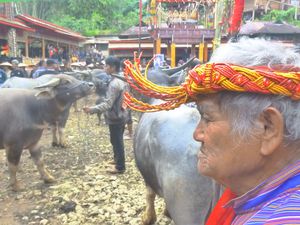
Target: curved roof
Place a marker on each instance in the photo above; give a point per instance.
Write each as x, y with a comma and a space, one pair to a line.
252, 28
15, 24
50, 26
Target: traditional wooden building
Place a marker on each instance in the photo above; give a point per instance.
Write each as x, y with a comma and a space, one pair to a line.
32, 37
257, 8
22, 31
176, 23
285, 33
48, 34
130, 41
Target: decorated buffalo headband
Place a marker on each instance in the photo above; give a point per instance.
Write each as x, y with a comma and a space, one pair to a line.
210, 78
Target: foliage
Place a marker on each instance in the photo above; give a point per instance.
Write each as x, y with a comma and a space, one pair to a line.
282, 16
89, 17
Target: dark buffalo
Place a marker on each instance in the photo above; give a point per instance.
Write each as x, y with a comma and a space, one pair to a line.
166, 156
59, 124
24, 114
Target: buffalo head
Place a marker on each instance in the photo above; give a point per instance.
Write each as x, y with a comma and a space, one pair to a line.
64, 88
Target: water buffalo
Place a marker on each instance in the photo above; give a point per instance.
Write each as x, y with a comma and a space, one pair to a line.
166, 156
59, 124
24, 114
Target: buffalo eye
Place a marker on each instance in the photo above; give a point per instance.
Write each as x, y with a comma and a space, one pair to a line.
65, 82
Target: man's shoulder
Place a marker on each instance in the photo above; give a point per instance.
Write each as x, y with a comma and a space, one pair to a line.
117, 83
286, 208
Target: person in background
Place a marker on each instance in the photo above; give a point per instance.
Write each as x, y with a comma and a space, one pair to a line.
51, 68
114, 113
6, 66
65, 66
16, 71
180, 62
129, 121
3, 76
22, 67
41, 66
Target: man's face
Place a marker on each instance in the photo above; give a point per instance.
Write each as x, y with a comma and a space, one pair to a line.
223, 156
109, 69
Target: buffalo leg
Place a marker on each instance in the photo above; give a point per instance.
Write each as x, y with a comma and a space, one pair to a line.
166, 212
99, 118
149, 216
75, 107
13, 155
61, 135
36, 155
54, 129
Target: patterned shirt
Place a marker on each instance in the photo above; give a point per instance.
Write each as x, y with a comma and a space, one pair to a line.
282, 208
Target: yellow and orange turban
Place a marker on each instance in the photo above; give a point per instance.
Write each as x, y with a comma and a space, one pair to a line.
211, 78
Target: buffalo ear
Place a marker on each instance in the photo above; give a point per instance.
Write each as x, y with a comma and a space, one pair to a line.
45, 94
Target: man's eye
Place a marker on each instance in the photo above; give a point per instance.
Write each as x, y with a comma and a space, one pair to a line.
205, 119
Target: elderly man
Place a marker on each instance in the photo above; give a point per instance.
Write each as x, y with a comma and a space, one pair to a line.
249, 100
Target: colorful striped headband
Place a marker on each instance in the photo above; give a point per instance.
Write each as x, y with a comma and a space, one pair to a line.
210, 78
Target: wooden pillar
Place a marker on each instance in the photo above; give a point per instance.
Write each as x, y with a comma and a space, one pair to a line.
69, 52
173, 55
169, 51
43, 49
26, 47
158, 46
193, 51
205, 53
201, 52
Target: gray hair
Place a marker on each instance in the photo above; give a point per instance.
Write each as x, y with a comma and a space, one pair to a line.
243, 109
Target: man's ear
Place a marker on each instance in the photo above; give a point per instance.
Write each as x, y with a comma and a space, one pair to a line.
273, 129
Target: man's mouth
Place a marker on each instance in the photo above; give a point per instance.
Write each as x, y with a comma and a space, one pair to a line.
201, 153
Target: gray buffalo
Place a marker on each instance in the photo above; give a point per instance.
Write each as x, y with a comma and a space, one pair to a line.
24, 114
166, 156
59, 124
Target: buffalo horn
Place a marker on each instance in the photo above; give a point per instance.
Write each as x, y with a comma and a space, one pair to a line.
179, 68
52, 83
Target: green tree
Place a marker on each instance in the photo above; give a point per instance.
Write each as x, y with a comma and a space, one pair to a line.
89, 17
92, 17
282, 16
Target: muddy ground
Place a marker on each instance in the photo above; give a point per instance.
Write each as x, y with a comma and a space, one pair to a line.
83, 187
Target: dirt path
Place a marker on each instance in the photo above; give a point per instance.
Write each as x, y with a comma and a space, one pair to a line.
82, 184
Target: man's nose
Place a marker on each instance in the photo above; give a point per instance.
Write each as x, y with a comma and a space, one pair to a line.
199, 133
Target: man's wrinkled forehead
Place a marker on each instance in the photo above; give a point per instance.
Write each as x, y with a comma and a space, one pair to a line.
208, 103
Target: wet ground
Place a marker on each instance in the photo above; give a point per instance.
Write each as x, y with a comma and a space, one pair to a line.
83, 193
